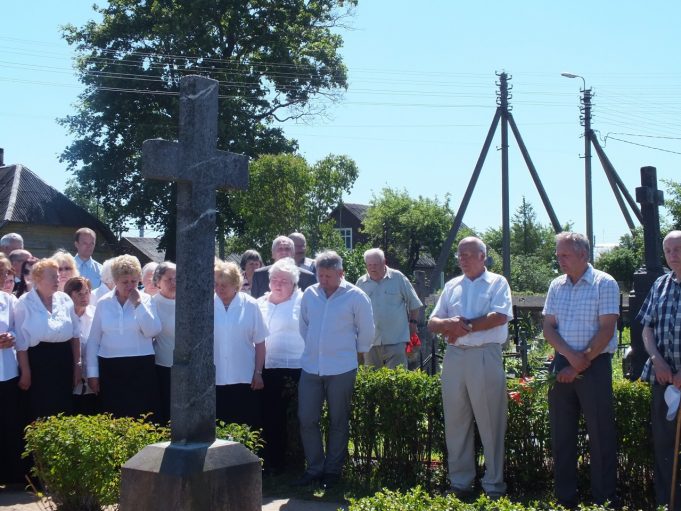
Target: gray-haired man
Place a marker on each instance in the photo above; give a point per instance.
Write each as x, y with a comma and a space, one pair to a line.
282, 246
336, 323
396, 307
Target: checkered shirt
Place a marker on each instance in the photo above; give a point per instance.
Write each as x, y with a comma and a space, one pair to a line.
577, 307
662, 313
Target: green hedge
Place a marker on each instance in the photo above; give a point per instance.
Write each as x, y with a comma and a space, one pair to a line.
78, 459
397, 416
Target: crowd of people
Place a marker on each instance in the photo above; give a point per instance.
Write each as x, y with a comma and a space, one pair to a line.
77, 336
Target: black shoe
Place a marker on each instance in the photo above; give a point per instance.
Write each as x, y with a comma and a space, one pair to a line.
330, 481
462, 494
307, 479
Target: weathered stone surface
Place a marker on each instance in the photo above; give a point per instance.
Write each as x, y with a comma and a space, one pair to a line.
194, 472
223, 476
199, 169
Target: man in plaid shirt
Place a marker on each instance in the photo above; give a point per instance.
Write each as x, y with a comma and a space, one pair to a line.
580, 316
661, 319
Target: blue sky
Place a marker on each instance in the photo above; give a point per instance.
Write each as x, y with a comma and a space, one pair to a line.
422, 96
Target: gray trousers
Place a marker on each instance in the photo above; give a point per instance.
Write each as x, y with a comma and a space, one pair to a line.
387, 355
313, 390
474, 385
591, 394
664, 432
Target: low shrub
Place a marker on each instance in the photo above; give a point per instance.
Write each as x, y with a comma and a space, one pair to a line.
419, 500
78, 459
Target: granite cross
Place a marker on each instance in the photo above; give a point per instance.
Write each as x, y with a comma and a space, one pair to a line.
199, 168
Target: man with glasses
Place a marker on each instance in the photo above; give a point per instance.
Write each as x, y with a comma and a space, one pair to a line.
472, 313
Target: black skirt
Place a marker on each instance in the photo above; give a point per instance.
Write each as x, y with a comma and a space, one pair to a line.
128, 387
163, 376
238, 403
12, 467
51, 388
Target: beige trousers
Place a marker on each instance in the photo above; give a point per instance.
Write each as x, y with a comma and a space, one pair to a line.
474, 386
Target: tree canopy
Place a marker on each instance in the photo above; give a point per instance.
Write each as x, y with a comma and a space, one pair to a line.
285, 195
405, 228
271, 59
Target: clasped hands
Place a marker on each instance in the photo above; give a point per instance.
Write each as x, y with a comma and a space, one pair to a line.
579, 362
453, 328
664, 374
6, 341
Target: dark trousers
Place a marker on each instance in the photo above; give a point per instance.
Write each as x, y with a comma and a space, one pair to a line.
12, 467
85, 404
664, 433
239, 404
51, 390
591, 394
336, 390
281, 386
163, 376
128, 387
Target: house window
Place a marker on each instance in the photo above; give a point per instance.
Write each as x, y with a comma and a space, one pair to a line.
346, 234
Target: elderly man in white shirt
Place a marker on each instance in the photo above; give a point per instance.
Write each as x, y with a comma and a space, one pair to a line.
473, 312
336, 322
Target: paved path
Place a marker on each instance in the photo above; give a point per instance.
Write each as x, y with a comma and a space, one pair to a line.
23, 501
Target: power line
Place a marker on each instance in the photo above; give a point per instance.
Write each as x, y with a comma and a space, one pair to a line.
643, 145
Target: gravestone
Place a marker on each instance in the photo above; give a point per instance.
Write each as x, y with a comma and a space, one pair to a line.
650, 199
194, 471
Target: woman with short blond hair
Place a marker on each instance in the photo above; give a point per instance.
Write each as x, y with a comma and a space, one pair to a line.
239, 351
120, 351
47, 343
67, 267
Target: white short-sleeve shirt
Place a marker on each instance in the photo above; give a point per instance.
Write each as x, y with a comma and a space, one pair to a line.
34, 324
472, 299
238, 328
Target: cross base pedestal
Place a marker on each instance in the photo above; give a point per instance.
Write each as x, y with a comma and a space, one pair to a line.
222, 476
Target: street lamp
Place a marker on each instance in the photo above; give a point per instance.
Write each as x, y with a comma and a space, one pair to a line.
586, 112
572, 75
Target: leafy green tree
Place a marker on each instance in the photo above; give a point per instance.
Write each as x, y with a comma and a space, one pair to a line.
672, 203
405, 228
530, 274
271, 58
620, 262
286, 194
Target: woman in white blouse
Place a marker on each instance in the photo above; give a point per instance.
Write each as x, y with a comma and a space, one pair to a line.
281, 310
120, 353
48, 343
11, 420
79, 290
164, 343
239, 349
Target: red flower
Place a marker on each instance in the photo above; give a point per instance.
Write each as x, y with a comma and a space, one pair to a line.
515, 396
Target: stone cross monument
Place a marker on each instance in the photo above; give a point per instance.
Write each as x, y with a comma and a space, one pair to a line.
650, 199
193, 471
